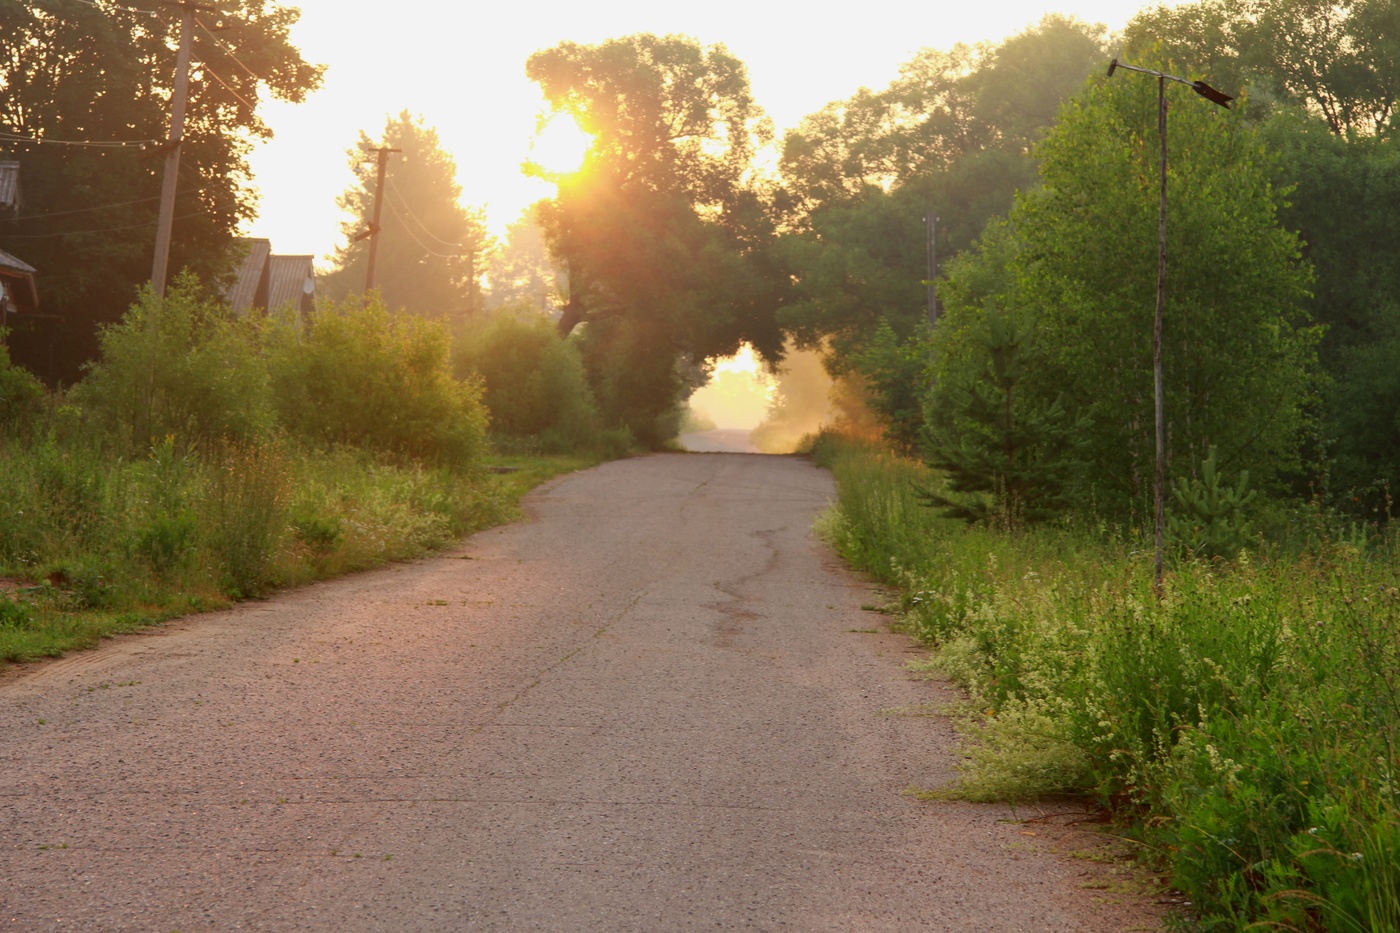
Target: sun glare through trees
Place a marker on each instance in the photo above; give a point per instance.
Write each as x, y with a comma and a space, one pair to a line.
559, 146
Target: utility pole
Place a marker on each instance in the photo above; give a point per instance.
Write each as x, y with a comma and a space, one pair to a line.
372, 234
171, 177
1159, 473
932, 223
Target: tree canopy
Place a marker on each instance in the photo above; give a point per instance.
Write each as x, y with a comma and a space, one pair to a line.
78, 78
1078, 260
662, 232
431, 248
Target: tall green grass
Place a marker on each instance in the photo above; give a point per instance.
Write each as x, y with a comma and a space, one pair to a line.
1244, 727
92, 544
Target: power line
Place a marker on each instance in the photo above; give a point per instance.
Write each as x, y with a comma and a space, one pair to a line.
118, 6
422, 226
96, 143
82, 210
424, 246
49, 236
226, 86
226, 49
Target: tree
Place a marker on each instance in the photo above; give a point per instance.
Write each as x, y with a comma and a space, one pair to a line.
431, 248
521, 272
1338, 58
953, 135
75, 71
1081, 254
664, 240
1010, 456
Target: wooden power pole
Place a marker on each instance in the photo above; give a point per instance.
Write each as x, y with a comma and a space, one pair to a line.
171, 177
373, 232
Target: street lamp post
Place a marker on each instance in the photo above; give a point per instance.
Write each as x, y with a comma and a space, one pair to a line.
1216, 97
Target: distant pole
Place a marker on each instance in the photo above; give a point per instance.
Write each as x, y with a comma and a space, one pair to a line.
171, 177
374, 223
932, 224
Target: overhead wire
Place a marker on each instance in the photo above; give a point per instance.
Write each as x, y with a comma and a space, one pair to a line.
49, 236
227, 50
414, 237
83, 210
226, 86
422, 226
7, 136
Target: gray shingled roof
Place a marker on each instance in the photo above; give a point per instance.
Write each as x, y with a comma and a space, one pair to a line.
250, 287
291, 280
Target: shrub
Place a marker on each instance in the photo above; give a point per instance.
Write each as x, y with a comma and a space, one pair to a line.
363, 377
21, 393
178, 367
533, 381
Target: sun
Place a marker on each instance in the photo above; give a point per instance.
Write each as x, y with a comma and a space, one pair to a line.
559, 145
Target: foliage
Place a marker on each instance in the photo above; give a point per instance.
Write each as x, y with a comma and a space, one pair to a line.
431, 249
78, 70
1337, 58
664, 239
21, 395
1209, 519
1081, 250
1016, 453
521, 271
363, 377
953, 136
178, 367
532, 380
1244, 727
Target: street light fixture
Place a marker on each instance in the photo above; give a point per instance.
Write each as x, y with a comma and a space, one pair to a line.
1215, 97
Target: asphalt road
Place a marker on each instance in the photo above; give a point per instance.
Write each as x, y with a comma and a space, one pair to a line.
657, 705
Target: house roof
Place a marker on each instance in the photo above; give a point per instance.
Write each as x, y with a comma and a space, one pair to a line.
250, 281
291, 280
16, 269
15, 264
9, 186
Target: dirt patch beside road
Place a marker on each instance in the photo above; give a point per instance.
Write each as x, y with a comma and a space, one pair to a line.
656, 706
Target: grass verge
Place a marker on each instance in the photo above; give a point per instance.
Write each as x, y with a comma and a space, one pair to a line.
1243, 729
90, 547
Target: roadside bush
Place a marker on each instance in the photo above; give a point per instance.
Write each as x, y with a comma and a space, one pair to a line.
363, 377
21, 393
178, 367
1246, 727
533, 382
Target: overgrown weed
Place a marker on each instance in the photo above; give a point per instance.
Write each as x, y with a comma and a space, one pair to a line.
1244, 727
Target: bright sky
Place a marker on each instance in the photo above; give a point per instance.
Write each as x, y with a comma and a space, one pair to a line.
462, 67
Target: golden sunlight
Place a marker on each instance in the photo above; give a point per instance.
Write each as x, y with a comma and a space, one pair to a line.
560, 145
738, 393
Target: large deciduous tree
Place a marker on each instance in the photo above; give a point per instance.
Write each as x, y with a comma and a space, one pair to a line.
952, 136
1338, 58
431, 248
1079, 263
663, 236
73, 73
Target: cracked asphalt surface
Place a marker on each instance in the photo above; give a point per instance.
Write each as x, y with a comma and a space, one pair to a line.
656, 705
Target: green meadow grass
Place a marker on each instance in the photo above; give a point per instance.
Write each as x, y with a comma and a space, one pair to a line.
1243, 728
91, 545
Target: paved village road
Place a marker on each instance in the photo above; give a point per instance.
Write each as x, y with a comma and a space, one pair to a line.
654, 706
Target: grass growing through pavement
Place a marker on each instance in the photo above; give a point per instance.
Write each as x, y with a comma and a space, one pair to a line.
91, 545
1245, 728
